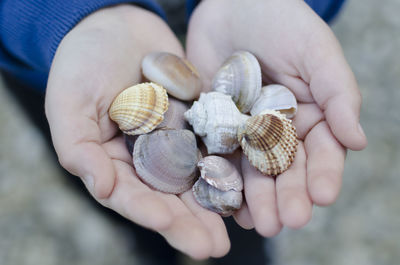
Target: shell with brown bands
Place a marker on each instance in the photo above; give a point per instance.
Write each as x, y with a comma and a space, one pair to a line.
140, 108
269, 141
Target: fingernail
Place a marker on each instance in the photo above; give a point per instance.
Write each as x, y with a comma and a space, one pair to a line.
360, 129
89, 182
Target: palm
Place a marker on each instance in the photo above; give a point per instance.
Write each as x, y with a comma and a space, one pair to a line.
295, 48
90, 68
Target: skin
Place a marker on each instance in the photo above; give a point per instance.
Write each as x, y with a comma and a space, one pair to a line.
101, 56
297, 49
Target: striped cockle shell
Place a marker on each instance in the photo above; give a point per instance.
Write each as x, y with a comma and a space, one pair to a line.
276, 97
140, 108
166, 160
177, 75
269, 141
240, 77
220, 186
216, 119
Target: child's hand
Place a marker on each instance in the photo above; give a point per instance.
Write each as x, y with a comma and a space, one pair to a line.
98, 59
297, 49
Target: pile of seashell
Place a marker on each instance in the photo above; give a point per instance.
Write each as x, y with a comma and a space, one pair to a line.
165, 153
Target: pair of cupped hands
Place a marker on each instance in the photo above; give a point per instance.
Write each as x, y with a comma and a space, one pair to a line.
102, 55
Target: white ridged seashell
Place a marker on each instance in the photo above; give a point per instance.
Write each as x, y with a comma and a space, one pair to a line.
140, 108
276, 97
220, 186
173, 117
177, 75
240, 77
269, 141
216, 119
166, 160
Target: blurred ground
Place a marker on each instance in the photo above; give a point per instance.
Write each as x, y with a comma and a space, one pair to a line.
44, 221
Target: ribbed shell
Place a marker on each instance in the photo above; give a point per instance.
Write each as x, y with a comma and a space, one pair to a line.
140, 108
166, 160
269, 141
177, 75
240, 77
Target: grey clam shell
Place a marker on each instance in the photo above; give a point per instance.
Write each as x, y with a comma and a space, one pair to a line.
219, 189
166, 160
173, 117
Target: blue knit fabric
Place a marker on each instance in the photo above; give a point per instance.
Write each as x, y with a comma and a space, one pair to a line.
30, 31
326, 9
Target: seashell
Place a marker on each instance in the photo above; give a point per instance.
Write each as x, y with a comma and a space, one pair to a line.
216, 119
174, 118
220, 187
220, 173
276, 97
177, 75
269, 141
240, 77
166, 160
140, 108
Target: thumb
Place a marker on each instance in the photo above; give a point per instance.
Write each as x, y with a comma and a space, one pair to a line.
77, 140
335, 90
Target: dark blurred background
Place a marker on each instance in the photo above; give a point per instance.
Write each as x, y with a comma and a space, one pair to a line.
45, 220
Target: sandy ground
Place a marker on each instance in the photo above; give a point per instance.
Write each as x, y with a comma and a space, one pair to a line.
44, 221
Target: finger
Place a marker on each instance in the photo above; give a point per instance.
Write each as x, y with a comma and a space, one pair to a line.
77, 141
243, 217
338, 96
137, 202
261, 200
213, 222
294, 204
186, 232
325, 162
307, 116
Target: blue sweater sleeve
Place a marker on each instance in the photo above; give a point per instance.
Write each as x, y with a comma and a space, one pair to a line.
30, 31
326, 9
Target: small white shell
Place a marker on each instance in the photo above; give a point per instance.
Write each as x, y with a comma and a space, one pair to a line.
177, 75
240, 77
276, 97
216, 119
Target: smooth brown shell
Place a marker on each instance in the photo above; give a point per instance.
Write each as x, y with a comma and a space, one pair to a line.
177, 75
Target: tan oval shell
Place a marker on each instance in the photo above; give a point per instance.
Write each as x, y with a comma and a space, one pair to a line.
269, 141
216, 119
177, 75
276, 97
140, 108
166, 160
240, 77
